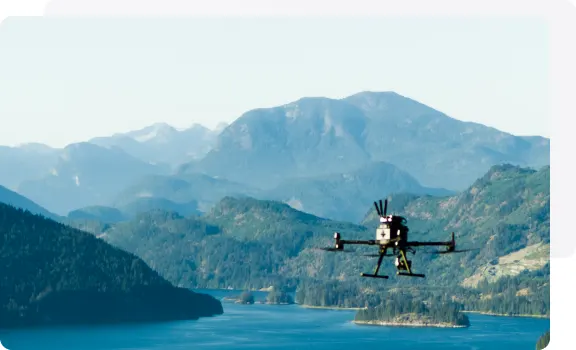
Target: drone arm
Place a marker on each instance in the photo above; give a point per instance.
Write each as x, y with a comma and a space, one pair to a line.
370, 242
341, 242
424, 244
450, 244
378, 265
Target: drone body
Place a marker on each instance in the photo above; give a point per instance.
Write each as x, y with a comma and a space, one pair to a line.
392, 235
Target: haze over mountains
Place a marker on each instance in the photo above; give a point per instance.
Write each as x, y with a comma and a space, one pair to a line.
163, 144
324, 156
86, 174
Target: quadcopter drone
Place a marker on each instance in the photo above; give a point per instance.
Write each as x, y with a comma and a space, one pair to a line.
392, 233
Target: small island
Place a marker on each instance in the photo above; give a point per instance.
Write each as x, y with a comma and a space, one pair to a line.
413, 314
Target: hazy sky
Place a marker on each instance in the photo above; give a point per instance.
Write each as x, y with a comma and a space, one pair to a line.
66, 79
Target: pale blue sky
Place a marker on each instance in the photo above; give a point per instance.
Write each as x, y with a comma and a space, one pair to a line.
67, 80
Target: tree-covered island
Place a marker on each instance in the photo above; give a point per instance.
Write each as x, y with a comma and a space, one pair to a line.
413, 314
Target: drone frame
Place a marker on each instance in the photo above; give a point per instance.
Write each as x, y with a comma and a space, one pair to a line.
397, 245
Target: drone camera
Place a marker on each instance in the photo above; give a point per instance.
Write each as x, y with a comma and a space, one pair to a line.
401, 266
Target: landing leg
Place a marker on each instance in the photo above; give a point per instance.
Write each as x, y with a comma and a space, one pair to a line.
375, 275
403, 255
379, 263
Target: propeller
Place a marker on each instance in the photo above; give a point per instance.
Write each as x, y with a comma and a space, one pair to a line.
332, 249
381, 210
376, 255
454, 251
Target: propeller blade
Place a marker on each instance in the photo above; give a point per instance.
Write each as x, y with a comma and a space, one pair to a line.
376, 255
385, 206
332, 249
377, 209
454, 251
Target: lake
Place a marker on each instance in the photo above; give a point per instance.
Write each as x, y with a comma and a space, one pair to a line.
261, 326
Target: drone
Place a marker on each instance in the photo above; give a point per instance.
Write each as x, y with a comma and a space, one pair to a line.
392, 234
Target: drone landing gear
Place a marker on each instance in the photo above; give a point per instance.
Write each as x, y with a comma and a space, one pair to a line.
410, 274
375, 274
406, 265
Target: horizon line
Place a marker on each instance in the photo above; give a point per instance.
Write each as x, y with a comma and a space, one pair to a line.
180, 128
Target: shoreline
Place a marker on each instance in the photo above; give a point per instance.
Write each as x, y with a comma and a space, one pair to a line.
332, 307
400, 324
263, 290
486, 313
337, 308
259, 302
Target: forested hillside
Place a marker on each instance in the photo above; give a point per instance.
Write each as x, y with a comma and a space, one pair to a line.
52, 274
246, 243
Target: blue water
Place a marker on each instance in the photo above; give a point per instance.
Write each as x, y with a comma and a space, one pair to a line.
281, 327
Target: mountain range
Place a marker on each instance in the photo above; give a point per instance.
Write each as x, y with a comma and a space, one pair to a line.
27, 162
321, 136
88, 173
324, 156
161, 143
85, 174
343, 196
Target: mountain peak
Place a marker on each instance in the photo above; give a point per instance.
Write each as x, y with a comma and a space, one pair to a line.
500, 172
156, 131
36, 147
507, 168
88, 150
81, 146
197, 126
371, 93
245, 204
375, 103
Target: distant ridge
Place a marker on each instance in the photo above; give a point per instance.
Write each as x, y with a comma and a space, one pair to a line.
316, 136
16, 200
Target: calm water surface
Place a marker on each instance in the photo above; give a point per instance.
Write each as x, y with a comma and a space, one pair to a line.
281, 327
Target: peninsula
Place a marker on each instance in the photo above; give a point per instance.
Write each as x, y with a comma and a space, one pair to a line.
54, 274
